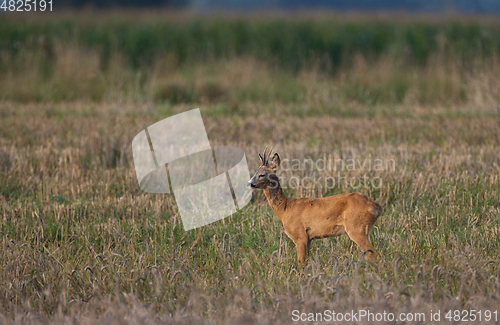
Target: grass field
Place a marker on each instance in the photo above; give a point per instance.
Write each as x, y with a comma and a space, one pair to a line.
81, 243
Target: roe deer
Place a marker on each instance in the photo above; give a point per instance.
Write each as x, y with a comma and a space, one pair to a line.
306, 219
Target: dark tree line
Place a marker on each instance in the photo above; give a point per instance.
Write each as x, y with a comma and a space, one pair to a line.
125, 3
464, 6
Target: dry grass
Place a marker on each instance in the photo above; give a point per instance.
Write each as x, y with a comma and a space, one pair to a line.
82, 243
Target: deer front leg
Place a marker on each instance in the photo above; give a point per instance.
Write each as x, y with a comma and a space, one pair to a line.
302, 243
301, 250
308, 248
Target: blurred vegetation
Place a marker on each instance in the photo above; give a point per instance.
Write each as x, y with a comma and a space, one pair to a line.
187, 59
293, 43
79, 238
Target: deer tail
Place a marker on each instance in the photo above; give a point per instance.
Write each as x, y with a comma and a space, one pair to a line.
377, 209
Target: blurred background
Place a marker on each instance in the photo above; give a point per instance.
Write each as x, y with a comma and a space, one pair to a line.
432, 6
231, 55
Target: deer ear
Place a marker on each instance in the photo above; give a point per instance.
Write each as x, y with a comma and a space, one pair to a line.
275, 162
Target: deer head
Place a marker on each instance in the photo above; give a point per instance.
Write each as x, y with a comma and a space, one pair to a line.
265, 176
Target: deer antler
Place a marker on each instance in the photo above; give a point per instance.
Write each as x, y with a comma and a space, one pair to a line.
270, 152
265, 159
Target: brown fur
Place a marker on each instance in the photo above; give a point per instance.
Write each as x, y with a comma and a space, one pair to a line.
306, 219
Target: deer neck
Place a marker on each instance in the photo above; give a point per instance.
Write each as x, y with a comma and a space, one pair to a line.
277, 199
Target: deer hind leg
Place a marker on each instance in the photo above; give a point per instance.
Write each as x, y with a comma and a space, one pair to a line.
360, 237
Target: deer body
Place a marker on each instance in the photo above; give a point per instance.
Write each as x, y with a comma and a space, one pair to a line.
306, 219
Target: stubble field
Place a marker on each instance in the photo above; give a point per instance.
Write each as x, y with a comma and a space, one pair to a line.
81, 243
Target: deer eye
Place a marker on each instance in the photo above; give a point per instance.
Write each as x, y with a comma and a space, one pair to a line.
261, 176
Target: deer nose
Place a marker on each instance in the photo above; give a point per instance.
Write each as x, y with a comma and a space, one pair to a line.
249, 184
